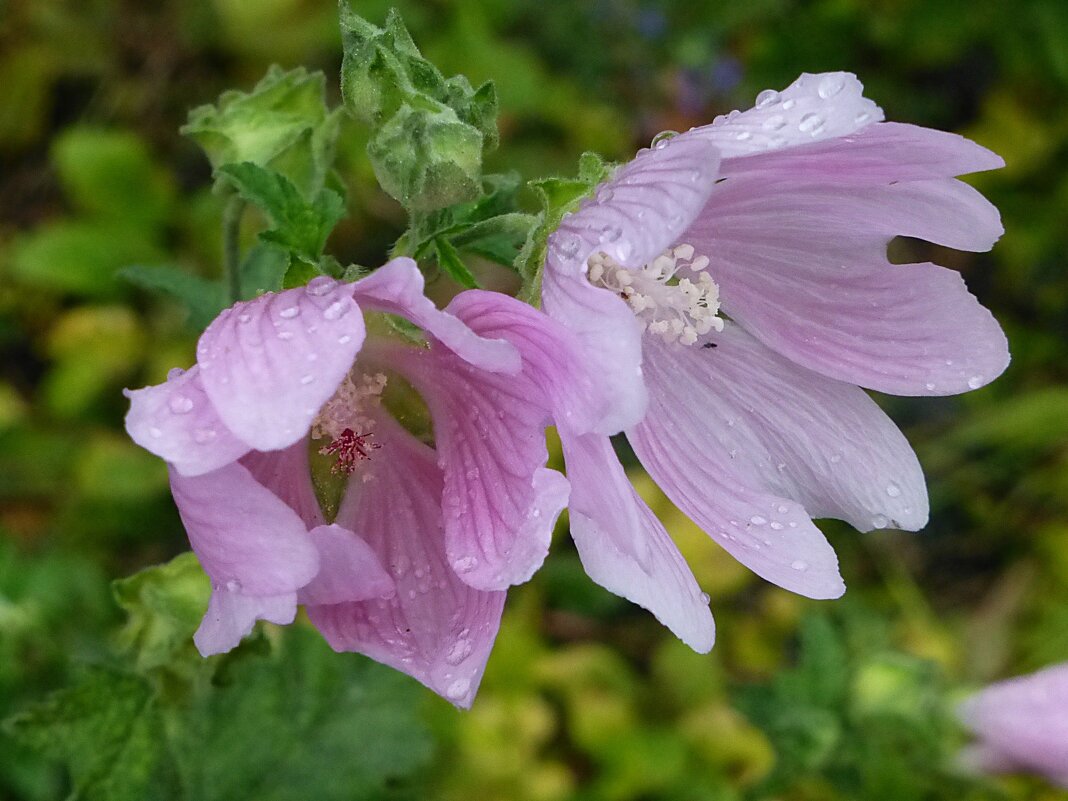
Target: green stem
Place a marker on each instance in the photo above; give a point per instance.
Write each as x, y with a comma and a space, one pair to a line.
232, 245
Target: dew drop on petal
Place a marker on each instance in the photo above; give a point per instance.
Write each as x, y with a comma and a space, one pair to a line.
611, 233
757, 520
743, 135
320, 285
285, 335
880, 521
775, 122
336, 310
175, 372
810, 123
289, 312
975, 382
830, 86
775, 524
180, 404
893, 490
861, 118
203, 436
307, 379
233, 585
661, 139
344, 339
799, 564
705, 599
244, 317
457, 690
465, 564
766, 98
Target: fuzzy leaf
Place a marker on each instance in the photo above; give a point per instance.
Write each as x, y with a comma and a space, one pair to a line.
202, 297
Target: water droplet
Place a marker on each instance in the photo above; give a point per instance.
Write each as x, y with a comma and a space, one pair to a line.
202, 436
861, 118
605, 194
344, 339
793, 524
307, 379
180, 404
766, 98
775, 122
788, 104
569, 247
465, 564
930, 386
798, 564
459, 651
893, 490
830, 86
836, 458
611, 233
289, 312
743, 135
457, 690
320, 285
880, 521
175, 372
233, 585
775, 524
781, 509
975, 382
244, 317
336, 310
285, 335
757, 520
810, 123
661, 139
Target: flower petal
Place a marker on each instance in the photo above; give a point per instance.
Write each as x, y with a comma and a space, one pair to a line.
607, 518
803, 267
1024, 721
231, 616
741, 411
500, 503
349, 569
435, 628
176, 421
633, 217
397, 288
268, 364
287, 474
812, 108
246, 538
878, 154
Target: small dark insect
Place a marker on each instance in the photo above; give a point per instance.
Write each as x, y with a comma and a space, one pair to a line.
708, 345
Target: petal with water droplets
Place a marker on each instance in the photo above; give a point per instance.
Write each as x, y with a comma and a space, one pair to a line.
270, 363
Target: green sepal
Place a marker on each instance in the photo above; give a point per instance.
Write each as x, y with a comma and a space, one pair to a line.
428, 132
283, 124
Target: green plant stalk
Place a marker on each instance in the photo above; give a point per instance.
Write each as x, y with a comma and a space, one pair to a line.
235, 207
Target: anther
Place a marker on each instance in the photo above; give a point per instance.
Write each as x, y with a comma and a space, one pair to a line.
351, 449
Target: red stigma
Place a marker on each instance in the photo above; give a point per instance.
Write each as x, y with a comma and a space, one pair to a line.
351, 449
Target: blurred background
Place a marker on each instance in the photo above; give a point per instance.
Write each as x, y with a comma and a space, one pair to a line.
585, 697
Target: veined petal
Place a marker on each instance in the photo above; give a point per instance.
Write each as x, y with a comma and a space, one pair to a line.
878, 154
349, 570
500, 503
397, 288
633, 217
607, 519
1024, 722
803, 267
247, 539
435, 628
813, 108
740, 412
268, 364
287, 474
176, 421
231, 616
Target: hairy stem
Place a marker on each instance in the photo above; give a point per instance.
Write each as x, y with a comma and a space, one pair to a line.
232, 245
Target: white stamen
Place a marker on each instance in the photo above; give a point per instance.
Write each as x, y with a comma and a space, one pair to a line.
348, 406
675, 309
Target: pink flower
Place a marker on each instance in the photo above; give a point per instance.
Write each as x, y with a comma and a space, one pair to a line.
1022, 725
413, 569
731, 288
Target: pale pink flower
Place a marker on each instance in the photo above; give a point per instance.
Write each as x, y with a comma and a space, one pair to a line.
731, 288
1021, 725
413, 569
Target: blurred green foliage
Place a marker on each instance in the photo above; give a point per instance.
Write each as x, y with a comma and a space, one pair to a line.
585, 698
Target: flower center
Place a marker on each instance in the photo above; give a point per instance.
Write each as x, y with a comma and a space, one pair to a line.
345, 414
675, 309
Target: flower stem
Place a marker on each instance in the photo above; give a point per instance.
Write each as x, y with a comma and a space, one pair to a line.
232, 245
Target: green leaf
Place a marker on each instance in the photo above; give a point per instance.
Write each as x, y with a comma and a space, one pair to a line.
111, 174
79, 257
498, 239
449, 261
107, 731
300, 227
558, 196
283, 124
164, 605
263, 270
204, 298
428, 132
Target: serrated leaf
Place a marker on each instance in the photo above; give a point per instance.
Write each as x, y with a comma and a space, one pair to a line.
498, 239
453, 266
203, 298
263, 270
283, 124
300, 226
